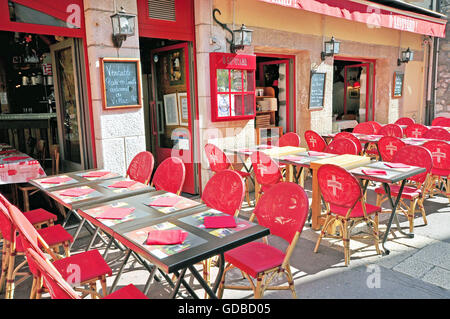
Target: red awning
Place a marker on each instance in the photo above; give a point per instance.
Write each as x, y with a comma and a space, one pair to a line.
372, 14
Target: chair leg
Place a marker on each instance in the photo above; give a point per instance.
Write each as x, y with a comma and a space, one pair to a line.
93, 287
258, 289
222, 281
290, 281
206, 272
346, 240
247, 193
5, 263
10, 277
322, 233
376, 235
26, 202
410, 214
422, 210
104, 287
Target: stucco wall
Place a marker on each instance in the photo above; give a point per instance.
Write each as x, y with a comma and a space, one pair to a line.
442, 107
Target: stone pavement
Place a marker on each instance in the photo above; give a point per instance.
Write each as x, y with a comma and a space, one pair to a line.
416, 268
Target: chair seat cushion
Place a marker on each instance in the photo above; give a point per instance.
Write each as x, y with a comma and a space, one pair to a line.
243, 174
91, 265
127, 292
40, 215
357, 211
52, 235
408, 192
255, 257
440, 172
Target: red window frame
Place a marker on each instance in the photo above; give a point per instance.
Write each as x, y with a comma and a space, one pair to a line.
232, 62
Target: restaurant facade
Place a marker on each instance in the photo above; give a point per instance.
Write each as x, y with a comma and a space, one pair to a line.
176, 84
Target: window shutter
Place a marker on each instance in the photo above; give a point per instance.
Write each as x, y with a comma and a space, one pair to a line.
162, 9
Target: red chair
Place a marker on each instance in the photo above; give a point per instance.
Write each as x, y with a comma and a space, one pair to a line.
61, 289
437, 133
170, 175
342, 146
377, 126
351, 137
315, 141
267, 173
388, 146
414, 156
441, 121
141, 167
365, 128
289, 139
345, 203
405, 121
283, 209
416, 130
83, 269
218, 161
391, 130
440, 173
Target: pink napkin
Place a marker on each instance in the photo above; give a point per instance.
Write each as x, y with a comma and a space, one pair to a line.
263, 147
165, 201
15, 158
293, 158
123, 184
219, 222
397, 165
56, 180
314, 153
166, 237
374, 172
77, 192
116, 213
96, 174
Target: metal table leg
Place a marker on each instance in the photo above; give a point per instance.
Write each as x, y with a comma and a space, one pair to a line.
119, 274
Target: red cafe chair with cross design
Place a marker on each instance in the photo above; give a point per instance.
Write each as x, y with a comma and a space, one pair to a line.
141, 167
388, 146
364, 128
315, 141
82, 269
437, 133
441, 121
345, 204
440, 173
59, 288
283, 209
218, 161
391, 130
405, 121
267, 173
289, 139
377, 126
170, 175
352, 137
415, 193
416, 130
342, 146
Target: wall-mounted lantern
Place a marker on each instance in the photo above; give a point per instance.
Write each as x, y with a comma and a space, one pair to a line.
331, 48
123, 25
407, 56
239, 38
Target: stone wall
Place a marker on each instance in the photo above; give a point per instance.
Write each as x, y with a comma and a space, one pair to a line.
442, 107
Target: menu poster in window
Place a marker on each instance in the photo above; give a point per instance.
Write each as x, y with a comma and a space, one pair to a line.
171, 109
183, 111
397, 90
121, 83
317, 90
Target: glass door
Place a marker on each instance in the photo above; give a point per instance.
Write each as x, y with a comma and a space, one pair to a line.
358, 91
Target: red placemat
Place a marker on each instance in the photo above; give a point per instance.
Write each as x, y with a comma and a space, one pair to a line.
165, 201
374, 172
166, 237
219, 222
123, 184
116, 213
96, 174
397, 165
56, 180
77, 192
15, 158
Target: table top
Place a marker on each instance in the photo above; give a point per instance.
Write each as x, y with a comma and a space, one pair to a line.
393, 175
268, 149
303, 159
346, 161
17, 167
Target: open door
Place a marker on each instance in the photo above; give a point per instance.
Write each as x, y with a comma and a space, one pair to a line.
358, 91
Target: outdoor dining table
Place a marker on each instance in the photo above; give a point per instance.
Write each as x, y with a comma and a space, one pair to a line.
200, 244
17, 167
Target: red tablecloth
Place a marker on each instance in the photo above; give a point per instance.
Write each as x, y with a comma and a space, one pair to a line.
19, 170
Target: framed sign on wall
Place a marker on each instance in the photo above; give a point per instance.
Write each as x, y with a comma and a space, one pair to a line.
397, 86
317, 90
121, 83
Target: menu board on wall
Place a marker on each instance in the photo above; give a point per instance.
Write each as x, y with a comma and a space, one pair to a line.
397, 90
317, 90
121, 81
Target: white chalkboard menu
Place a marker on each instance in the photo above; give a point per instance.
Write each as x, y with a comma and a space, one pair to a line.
397, 88
121, 82
317, 90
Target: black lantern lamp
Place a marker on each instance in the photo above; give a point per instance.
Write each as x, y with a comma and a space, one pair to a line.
407, 56
331, 48
123, 26
239, 38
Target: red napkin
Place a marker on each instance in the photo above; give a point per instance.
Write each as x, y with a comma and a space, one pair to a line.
374, 172
77, 192
165, 201
166, 237
116, 213
123, 184
397, 165
56, 180
15, 158
96, 174
219, 222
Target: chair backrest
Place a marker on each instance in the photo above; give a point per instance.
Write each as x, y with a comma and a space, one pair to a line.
315, 141
338, 186
352, 137
53, 281
416, 130
225, 192
441, 121
415, 156
289, 139
170, 175
342, 146
440, 151
388, 146
218, 160
405, 121
391, 130
283, 209
364, 128
377, 126
266, 169
141, 167
437, 133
